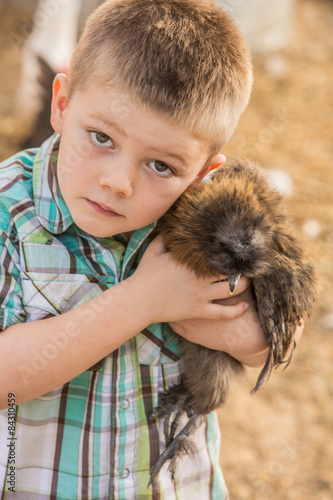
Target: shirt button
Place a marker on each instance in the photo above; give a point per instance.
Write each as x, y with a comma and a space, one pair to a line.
125, 404
122, 258
65, 305
124, 473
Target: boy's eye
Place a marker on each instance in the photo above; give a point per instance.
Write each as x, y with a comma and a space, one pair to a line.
101, 139
159, 167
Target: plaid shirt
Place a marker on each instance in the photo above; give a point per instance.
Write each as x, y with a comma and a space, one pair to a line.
91, 438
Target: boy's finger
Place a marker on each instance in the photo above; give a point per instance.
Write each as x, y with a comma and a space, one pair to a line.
217, 311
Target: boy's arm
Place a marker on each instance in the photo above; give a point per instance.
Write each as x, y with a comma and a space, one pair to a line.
80, 338
159, 290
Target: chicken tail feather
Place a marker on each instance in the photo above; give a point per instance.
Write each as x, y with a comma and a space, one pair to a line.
265, 373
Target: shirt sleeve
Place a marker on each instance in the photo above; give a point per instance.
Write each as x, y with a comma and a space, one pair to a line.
11, 309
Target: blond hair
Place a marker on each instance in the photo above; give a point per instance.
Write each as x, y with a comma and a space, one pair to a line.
184, 58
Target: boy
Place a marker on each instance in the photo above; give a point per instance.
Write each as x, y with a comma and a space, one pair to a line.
155, 89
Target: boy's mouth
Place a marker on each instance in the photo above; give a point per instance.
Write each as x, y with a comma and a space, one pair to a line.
102, 209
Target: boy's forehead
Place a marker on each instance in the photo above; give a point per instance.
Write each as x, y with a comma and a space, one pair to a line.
115, 110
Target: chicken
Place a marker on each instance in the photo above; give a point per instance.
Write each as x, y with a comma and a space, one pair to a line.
234, 225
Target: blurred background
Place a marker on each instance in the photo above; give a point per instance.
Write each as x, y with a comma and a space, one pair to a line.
277, 444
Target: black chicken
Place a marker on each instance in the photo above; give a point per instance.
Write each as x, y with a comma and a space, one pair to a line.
234, 225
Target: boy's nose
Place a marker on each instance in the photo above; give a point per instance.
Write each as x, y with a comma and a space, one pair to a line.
119, 179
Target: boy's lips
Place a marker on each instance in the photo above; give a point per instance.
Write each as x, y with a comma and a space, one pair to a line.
102, 209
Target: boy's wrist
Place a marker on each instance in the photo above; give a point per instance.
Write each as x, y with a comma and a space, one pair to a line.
139, 301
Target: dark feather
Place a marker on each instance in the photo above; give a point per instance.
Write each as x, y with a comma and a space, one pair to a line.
237, 224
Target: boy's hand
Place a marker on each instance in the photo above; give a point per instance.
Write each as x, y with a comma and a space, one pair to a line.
173, 293
242, 336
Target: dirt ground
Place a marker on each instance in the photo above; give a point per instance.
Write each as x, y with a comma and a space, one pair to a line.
278, 444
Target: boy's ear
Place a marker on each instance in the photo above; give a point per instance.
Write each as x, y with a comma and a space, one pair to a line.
59, 96
213, 163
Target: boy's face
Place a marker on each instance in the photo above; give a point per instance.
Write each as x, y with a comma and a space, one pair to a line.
121, 166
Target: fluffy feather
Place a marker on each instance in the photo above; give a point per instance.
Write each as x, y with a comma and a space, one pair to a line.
235, 224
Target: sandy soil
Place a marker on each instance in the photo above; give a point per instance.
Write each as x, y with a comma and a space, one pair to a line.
278, 444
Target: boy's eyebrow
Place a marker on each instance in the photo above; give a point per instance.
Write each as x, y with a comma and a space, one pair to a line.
173, 155
108, 123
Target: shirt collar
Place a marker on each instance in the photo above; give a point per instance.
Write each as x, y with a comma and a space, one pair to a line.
50, 206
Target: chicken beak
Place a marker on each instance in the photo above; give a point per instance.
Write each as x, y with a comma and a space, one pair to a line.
233, 282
